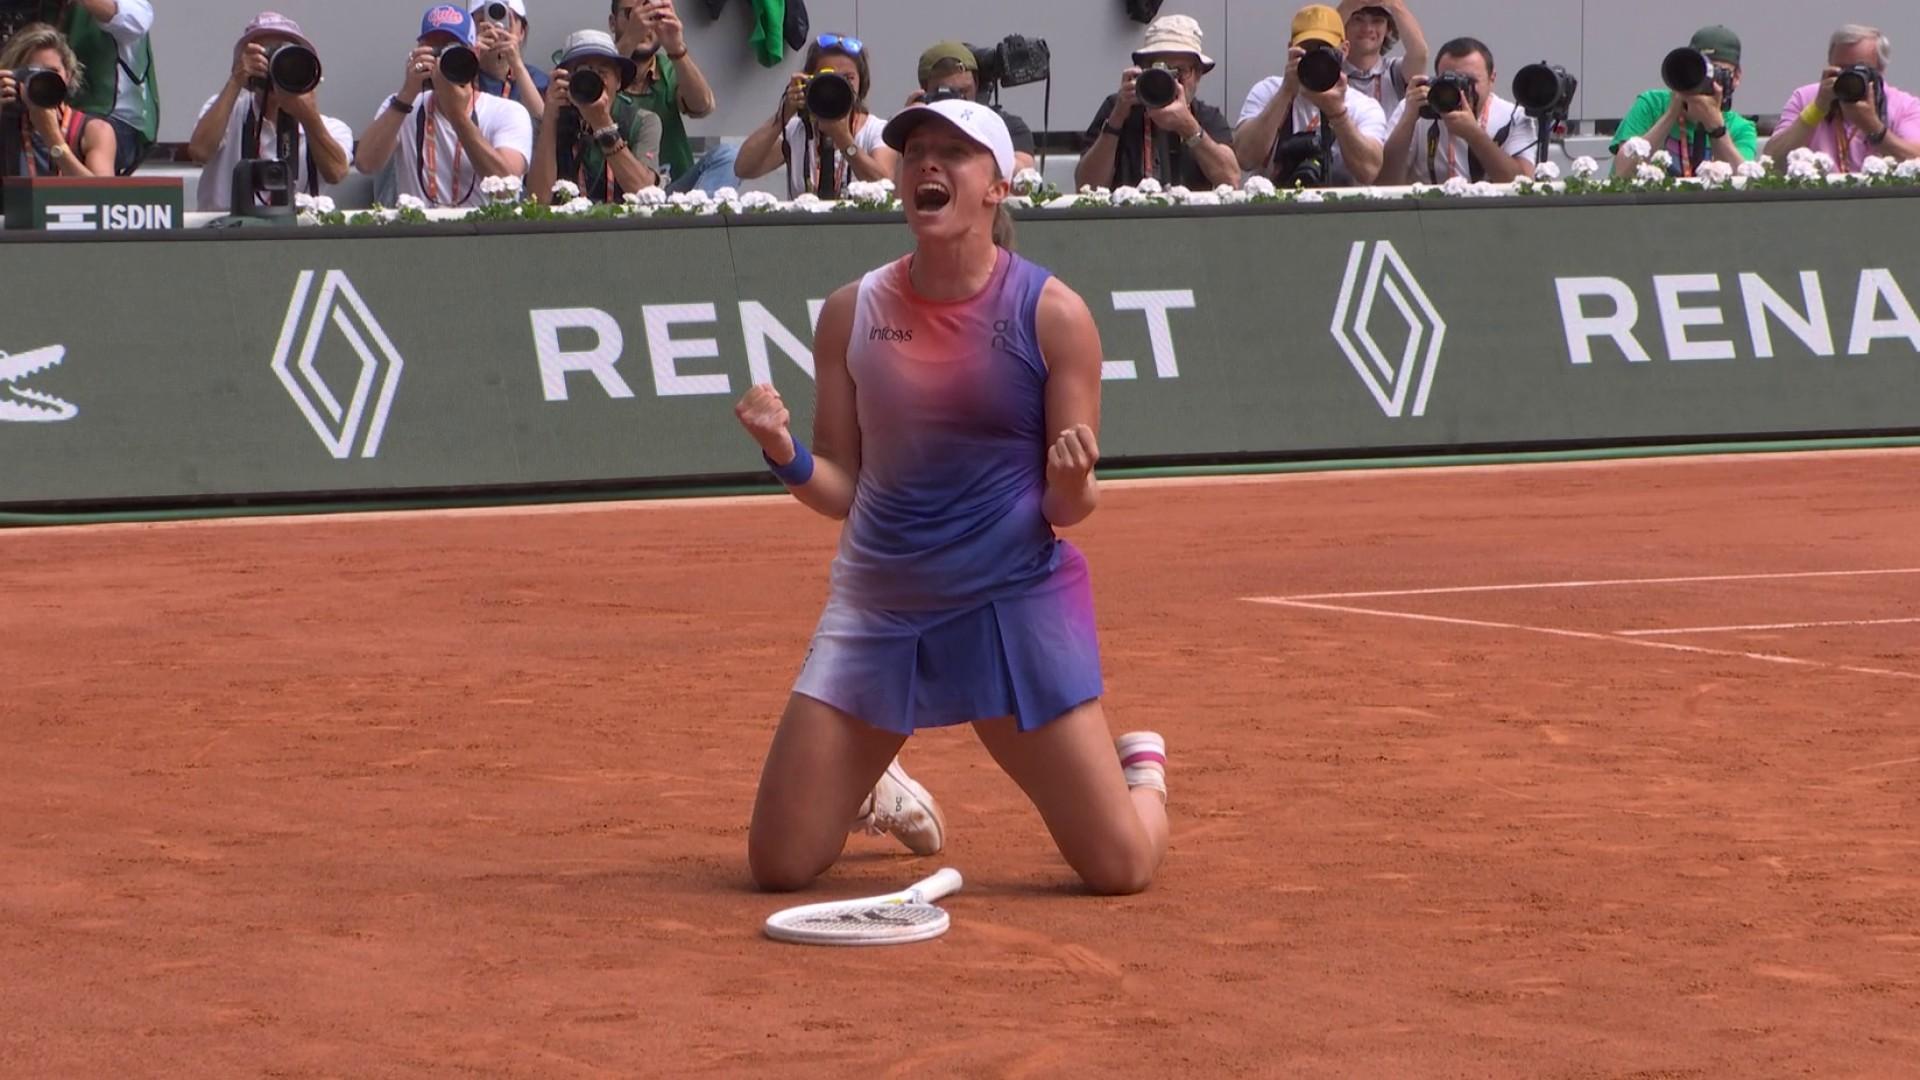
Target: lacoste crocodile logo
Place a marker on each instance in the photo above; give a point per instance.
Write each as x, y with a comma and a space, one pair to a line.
18, 402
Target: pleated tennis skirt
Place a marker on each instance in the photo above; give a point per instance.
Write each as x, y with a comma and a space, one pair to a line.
1034, 656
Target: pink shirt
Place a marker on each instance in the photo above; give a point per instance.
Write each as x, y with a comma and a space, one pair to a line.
1903, 118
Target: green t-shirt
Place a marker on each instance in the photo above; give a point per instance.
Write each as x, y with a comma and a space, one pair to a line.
1652, 105
662, 99
639, 127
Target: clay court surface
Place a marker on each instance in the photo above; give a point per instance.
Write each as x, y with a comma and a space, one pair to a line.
467, 794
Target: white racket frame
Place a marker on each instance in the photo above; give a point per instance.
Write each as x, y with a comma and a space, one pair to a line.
921, 893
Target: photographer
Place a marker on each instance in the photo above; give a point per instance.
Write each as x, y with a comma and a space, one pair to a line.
1851, 114
55, 140
601, 141
1295, 134
501, 26
109, 38
1694, 124
822, 131
671, 86
221, 137
1469, 129
1374, 27
950, 69
444, 140
1157, 126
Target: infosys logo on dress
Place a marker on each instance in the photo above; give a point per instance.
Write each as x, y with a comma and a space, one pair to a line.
888, 333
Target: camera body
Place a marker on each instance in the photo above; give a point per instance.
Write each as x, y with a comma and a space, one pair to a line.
1859, 82
1320, 68
945, 93
1449, 93
1157, 87
1302, 158
43, 88
1015, 61
1690, 71
1545, 91
255, 177
460, 64
829, 95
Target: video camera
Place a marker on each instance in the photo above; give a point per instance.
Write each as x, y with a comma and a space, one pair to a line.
1016, 61
1690, 71
1450, 93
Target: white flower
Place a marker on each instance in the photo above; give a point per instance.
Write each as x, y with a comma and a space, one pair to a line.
1483, 189
1028, 182
1766, 162
699, 199
679, 200
1751, 170
867, 191
1204, 198
1877, 166
809, 203
1064, 202
501, 188
1456, 186
726, 195
1149, 186
1180, 194
1417, 189
565, 191
1662, 159
1739, 183
1523, 184
1223, 191
1908, 170
575, 205
306, 217
1546, 172
412, 202
1649, 174
1715, 174
1096, 192
1800, 153
630, 199
324, 205
1017, 202
302, 201
1309, 196
758, 200
1802, 170
1585, 168
1259, 187
1638, 147
1128, 196
651, 196
1823, 162
1235, 198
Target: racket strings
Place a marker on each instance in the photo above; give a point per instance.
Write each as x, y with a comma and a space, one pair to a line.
870, 918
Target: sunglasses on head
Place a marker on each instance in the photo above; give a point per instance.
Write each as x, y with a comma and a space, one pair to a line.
848, 44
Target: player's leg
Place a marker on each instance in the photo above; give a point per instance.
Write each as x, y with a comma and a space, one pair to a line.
1113, 835
819, 773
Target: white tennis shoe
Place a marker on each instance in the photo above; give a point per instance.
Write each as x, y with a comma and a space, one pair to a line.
900, 807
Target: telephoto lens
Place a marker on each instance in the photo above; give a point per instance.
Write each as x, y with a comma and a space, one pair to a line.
586, 86
1157, 87
1686, 71
459, 64
829, 96
1545, 90
294, 69
1448, 93
41, 87
1320, 69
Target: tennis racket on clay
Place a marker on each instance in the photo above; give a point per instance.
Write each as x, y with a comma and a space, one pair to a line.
893, 919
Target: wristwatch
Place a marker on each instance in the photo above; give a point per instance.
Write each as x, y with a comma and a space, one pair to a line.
59, 150
608, 137
1879, 137
401, 107
1194, 139
1111, 129
1718, 133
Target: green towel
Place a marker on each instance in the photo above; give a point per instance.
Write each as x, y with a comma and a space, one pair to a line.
769, 24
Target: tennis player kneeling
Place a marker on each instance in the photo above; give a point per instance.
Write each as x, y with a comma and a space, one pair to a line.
958, 409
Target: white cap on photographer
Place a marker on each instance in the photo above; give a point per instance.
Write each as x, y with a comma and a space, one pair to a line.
980, 124
518, 7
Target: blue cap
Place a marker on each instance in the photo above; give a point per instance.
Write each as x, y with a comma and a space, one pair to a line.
450, 18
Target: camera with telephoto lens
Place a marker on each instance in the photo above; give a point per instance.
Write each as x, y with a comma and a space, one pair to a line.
1545, 90
42, 88
1857, 83
1157, 87
945, 93
494, 13
1302, 158
585, 86
459, 64
829, 96
1450, 93
1016, 61
1320, 68
291, 69
1690, 71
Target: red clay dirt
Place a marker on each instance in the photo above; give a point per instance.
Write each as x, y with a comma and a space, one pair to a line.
409, 795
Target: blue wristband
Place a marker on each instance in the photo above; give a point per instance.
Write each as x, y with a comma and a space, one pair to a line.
794, 473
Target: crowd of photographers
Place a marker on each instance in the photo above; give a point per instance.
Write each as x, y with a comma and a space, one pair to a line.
1355, 104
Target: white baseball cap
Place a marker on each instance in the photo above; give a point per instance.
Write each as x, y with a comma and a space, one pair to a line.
518, 7
978, 123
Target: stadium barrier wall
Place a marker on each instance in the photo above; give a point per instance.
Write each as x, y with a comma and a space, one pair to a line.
269, 364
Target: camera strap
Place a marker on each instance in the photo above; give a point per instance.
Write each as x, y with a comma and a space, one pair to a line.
426, 128
1476, 172
73, 124
251, 131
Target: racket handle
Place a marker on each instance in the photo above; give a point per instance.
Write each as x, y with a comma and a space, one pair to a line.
944, 883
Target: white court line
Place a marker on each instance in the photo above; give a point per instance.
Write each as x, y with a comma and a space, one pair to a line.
1455, 589
1762, 626
1585, 635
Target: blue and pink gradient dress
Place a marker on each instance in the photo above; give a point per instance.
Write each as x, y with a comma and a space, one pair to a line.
952, 599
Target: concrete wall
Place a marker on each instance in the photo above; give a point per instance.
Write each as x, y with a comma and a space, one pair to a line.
1615, 47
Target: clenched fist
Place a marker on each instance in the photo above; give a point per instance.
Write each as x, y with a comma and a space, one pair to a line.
765, 417
1071, 458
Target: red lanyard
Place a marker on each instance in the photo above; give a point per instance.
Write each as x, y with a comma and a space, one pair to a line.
429, 159
26, 140
1843, 142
